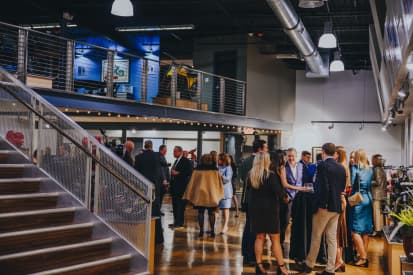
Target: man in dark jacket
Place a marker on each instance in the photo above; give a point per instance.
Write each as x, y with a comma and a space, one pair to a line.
163, 173
331, 181
148, 164
181, 172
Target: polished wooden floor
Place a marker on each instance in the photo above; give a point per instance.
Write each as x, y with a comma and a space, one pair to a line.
183, 252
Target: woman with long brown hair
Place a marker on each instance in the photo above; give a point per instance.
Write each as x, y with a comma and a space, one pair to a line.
341, 157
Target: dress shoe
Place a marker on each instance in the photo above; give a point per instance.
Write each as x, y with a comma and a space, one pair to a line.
363, 262
303, 267
340, 268
259, 269
324, 273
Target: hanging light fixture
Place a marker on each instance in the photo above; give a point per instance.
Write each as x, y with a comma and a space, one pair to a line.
122, 8
328, 40
337, 65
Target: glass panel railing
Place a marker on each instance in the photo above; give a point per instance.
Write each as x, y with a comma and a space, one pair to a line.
112, 189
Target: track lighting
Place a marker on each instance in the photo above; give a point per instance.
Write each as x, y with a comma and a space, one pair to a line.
337, 65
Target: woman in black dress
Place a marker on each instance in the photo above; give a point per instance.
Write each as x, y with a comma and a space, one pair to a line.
263, 209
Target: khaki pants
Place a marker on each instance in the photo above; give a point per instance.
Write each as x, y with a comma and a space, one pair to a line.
377, 216
324, 221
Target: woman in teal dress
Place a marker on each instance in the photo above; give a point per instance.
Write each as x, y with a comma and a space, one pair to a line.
362, 219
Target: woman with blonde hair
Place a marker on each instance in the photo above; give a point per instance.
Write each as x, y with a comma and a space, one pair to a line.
265, 194
362, 224
224, 167
341, 157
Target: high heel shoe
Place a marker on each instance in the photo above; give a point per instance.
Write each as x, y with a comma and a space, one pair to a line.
364, 264
259, 269
281, 270
341, 268
201, 234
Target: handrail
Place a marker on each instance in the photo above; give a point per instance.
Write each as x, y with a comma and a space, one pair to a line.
87, 135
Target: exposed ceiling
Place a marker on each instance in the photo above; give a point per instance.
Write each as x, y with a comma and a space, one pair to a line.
351, 19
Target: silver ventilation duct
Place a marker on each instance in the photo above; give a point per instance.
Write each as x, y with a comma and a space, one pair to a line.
298, 34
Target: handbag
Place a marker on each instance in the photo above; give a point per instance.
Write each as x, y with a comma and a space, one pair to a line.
357, 197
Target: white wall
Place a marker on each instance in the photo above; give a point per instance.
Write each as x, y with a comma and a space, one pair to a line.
270, 86
343, 96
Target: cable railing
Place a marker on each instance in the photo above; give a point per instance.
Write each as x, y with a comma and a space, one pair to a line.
97, 177
43, 60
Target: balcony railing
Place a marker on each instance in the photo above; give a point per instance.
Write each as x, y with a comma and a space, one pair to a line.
43, 60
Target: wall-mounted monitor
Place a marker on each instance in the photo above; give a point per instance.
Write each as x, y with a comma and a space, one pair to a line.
120, 70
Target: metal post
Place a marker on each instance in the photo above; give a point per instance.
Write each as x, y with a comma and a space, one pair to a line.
198, 90
22, 46
199, 145
244, 98
109, 76
174, 79
89, 178
144, 85
70, 54
221, 95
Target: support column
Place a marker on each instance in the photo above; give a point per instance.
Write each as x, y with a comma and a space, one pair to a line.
174, 80
144, 86
22, 46
199, 145
109, 76
70, 54
221, 95
198, 90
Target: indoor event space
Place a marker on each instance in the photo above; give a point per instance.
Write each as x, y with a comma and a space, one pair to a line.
206, 137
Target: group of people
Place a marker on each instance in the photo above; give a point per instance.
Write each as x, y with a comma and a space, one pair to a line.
208, 187
314, 199
279, 192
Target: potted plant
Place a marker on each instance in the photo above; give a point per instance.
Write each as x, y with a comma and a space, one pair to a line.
406, 217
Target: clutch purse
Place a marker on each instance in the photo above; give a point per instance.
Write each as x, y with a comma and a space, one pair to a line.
357, 197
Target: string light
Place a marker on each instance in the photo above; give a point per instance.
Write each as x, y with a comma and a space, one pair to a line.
66, 110
88, 112
128, 116
137, 118
109, 114
119, 115
145, 118
99, 113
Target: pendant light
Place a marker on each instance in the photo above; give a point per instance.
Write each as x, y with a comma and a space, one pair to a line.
337, 65
122, 8
328, 40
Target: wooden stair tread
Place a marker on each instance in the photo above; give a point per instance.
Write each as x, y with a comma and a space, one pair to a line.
30, 195
28, 201
56, 257
24, 240
15, 221
20, 180
55, 249
79, 269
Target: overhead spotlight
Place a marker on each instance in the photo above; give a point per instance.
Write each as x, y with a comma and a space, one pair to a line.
331, 126
122, 8
328, 40
133, 131
337, 65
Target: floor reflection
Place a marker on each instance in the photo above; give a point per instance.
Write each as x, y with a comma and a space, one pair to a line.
183, 252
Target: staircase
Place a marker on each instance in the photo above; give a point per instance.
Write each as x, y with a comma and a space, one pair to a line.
45, 230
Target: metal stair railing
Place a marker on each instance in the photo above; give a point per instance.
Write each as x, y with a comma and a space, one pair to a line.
97, 177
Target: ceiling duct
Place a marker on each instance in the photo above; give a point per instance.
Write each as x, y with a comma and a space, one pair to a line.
310, 4
298, 34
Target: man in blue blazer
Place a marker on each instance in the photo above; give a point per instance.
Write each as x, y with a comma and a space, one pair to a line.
331, 181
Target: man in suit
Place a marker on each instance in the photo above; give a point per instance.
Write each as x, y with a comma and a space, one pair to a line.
181, 172
294, 174
248, 237
331, 181
163, 173
148, 164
